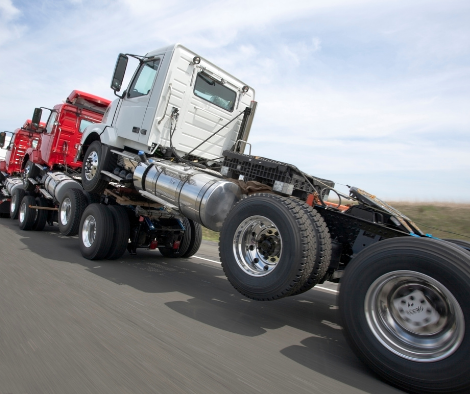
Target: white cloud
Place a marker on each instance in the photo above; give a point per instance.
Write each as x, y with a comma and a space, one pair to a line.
345, 88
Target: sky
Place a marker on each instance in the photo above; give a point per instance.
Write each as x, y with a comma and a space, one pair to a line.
367, 93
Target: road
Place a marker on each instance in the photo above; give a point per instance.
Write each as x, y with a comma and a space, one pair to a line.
149, 324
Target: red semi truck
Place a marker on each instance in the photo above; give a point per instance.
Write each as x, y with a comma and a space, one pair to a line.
51, 145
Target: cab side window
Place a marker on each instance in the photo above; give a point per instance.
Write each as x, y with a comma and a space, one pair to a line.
144, 79
50, 122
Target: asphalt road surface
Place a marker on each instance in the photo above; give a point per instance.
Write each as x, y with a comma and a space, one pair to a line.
150, 324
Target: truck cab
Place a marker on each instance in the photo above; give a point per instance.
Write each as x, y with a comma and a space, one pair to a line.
21, 140
174, 102
63, 130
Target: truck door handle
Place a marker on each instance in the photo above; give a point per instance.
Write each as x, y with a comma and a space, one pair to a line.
135, 129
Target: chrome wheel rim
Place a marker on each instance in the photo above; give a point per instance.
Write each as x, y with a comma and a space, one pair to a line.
414, 316
13, 203
257, 246
22, 211
89, 231
91, 165
65, 209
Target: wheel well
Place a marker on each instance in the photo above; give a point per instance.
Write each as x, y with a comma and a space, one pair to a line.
92, 137
25, 160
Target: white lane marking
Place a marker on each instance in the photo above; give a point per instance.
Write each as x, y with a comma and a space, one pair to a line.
316, 287
203, 258
325, 288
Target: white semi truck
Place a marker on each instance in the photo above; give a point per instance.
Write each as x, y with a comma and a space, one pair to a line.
169, 157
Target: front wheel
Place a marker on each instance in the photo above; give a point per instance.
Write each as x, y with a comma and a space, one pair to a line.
404, 306
93, 163
30, 172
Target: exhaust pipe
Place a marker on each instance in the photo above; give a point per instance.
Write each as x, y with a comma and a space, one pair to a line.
199, 196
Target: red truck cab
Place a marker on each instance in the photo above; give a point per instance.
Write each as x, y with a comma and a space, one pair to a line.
62, 133
23, 139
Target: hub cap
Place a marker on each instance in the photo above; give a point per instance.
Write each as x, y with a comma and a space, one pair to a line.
89, 231
91, 165
257, 246
65, 209
414, 316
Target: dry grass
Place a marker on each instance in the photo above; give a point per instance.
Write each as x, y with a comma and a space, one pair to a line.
437, 218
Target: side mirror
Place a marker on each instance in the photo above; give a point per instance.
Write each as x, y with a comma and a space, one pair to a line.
2, 139
119, 71
36, 120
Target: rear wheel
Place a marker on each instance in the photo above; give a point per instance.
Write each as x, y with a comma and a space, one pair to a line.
404, 306
70, 211
42, 214
27, 216
321, 255
195, 240
184, 243
464, 244
16, 198
121, 232
264, 246
96, 232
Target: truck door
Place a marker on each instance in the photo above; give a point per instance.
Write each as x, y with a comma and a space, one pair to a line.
48, 136
131, 120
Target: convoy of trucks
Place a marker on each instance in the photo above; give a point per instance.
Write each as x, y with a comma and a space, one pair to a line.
168, 156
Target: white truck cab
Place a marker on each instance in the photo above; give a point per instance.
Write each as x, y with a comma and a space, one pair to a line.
175, 99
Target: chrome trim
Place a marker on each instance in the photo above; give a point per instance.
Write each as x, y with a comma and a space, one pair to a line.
414, 316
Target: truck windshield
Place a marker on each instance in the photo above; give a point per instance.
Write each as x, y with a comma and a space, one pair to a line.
84, 124
213, 91
143, 81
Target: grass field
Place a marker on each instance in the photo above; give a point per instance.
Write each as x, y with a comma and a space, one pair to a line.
433, 218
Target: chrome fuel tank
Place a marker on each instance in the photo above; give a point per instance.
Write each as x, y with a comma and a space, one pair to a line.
57, 183
199, 196
12, 183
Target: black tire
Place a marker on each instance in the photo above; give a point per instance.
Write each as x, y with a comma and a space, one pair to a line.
321, 255
16, 198
96, 232
93, 164
184, 244
70, 211
91, 198
283, 235
121, 234
195, 240
42, 214
30, 171
389, 306
27, 215
460, 242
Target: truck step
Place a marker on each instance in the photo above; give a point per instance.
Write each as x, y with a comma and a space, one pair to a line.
112, 176
46, 194
32, 181
128, 155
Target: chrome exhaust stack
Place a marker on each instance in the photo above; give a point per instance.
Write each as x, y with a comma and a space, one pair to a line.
197, 195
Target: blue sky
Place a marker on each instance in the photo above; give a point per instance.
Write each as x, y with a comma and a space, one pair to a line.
368, 93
